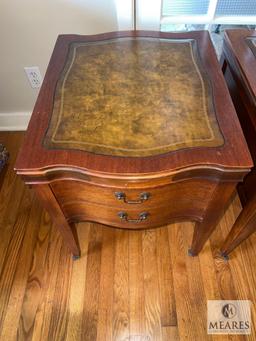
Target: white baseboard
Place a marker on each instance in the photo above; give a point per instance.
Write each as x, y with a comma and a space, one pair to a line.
14, 121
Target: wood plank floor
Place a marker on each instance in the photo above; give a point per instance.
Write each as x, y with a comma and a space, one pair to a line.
127, 286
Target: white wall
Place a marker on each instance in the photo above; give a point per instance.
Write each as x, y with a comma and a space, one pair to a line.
28, 31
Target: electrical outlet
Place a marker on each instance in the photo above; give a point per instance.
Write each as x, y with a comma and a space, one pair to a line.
34, 76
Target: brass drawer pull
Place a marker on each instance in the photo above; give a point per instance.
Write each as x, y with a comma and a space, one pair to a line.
124, 216
122, 196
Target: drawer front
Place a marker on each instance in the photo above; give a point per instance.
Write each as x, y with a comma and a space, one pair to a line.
132, 218
67, 191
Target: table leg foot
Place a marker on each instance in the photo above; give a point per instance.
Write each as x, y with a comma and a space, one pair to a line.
224, 256
191, 253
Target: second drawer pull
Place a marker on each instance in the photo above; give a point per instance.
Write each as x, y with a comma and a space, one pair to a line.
142, 216
122, 196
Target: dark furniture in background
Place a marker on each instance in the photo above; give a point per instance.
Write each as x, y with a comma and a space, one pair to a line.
4, 156
239, 67
134, 130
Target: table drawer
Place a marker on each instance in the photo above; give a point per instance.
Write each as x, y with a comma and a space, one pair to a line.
194, 190
131, 218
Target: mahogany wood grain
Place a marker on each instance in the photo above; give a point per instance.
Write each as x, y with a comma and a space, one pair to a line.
156, 216
192, 191
185, 199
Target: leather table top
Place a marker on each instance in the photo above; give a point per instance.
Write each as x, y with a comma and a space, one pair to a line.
133, 104
133, 97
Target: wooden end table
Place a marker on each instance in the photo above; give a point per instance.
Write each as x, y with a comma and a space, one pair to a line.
134, 130
239, 67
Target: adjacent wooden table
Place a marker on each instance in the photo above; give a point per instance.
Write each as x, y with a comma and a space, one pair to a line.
134, 130
239, 67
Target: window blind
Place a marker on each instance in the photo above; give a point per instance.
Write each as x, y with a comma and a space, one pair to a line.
235, 7
185, 7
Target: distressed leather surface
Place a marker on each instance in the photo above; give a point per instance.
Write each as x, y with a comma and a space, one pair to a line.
133, 97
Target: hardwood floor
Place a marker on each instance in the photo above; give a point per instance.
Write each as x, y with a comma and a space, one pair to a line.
127, 286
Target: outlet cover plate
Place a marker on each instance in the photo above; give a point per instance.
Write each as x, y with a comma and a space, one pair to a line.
34, 76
